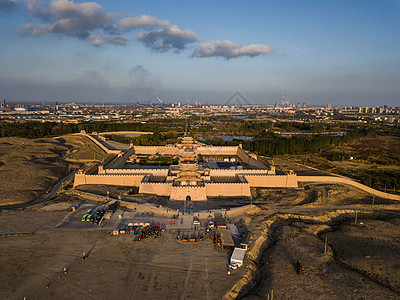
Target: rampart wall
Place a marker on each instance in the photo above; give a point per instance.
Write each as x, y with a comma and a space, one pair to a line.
161, 189
196, 193
151, 150
289, 180
125, 180
231, 172
215, 150
124, 133
120, 161
252, 162
228, 189
98, 143
154, 172
342, 180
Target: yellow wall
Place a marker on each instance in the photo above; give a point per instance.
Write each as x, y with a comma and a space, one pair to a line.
126, 180
272, 180
228, 189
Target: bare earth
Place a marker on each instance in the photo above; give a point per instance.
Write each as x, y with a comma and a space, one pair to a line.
363, 266
361, 260
156, 268
28, 168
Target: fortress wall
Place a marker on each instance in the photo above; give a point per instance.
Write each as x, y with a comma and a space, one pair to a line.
149, 150
228, 172
125, 180
214, 150
342, 180
243, 155
124, 132
154, 172
196, 193
160, 189
272, 180
120, 161
254, 163
228, 189
251, 161
98, 143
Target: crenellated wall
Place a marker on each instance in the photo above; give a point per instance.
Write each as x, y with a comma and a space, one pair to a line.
228, 189
196, 193
217, 150
234, 172
157, 188
251, 161
98, 143
151, 150
126, 180
342, 180
154, 172
289, 180
120, 161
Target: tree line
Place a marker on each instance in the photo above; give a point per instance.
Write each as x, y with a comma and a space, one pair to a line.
273, 144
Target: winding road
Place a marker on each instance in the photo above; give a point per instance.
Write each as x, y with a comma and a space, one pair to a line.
49, 195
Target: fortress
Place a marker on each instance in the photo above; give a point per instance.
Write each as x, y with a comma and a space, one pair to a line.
203, 171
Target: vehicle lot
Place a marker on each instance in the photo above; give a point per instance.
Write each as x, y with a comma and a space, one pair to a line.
73, 220
155, 268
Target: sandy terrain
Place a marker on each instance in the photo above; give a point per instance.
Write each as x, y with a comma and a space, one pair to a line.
347, 275
361, 259
161, 268
28, 168
82, 149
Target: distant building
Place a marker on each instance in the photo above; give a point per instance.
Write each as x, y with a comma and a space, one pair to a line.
3, 103
329, 106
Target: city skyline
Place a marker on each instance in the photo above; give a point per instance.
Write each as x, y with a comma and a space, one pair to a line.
344, 53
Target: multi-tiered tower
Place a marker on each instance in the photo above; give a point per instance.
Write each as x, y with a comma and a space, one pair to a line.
188, 167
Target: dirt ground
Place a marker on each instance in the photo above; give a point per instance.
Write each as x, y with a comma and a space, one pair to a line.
82, 149
361, 261
29, 168
364, 265
156, 268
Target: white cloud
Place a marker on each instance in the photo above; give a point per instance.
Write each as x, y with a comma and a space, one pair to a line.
228, 49
99, 40
170, 37
34, 29
133, 22
68, 18
89, 21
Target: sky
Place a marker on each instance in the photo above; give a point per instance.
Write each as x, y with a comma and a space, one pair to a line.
344, 52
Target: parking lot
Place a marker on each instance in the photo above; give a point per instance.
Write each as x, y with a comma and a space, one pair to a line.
122, 218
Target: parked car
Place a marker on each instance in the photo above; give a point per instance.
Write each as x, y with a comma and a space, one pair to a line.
196, 222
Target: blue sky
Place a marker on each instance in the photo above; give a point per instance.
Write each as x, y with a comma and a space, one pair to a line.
319, 52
